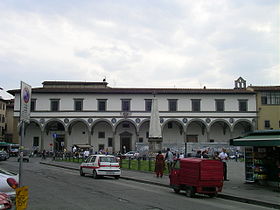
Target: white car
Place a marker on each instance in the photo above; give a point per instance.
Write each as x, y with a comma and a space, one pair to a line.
8, 188
131, 154
101, 165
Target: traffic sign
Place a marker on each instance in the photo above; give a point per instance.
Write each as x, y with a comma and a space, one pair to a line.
25, 102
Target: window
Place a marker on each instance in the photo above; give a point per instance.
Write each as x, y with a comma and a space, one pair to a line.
101, 135
110, 142
148, 105
266, 124
35, 141
33, 105
54, 105
243, 105
172, 104
141, 140
125, 125
125, 105
3, 119
220, 105
147, 134
102, 103
169, 125
270, 98
78, 105
196, 105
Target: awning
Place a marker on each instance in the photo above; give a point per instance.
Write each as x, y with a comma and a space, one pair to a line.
257, 140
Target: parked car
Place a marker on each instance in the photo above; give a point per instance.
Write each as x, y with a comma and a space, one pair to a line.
5, 201
131, 154
101, 165
8, 183
25, 156
4, 155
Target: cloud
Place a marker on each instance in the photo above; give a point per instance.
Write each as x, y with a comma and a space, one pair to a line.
140, 43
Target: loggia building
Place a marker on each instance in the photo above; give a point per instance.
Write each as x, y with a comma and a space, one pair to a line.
65, 113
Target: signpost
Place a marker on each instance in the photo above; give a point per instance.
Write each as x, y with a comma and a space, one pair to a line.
25, 104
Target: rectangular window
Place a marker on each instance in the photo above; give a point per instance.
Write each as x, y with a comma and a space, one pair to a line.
220, 105
33, 105
125, 105
102, 104
35, 141
141, 140
148, 105
3, 119
78, 105
270, 98
54, 105
196, 105
172, 104
125, 125
101, 135
110, 142
243, 105
169, 125
266, 124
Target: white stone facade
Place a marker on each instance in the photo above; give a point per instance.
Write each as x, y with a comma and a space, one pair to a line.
114, 128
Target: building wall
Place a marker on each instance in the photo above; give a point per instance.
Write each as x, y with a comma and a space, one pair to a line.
2, 119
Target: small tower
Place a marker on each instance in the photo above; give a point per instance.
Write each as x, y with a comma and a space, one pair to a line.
240, 83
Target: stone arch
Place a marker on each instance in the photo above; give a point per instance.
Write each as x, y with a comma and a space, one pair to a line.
196, 130
74, 121
241, 127
219, 131
51, 121
173, 136
78, 132
32, 135
143, 128
101, 120
126, 120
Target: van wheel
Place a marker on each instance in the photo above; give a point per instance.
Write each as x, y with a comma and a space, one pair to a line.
176, 190
81, 172
117, 177
94, 174
190, 192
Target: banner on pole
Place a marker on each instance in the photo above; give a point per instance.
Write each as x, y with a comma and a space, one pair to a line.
25, 102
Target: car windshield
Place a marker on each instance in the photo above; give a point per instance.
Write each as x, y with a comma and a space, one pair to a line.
108, 159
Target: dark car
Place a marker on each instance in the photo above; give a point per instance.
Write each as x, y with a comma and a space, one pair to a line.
4, 155
25, 156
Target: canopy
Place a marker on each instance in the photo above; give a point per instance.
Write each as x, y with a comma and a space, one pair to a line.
259, 138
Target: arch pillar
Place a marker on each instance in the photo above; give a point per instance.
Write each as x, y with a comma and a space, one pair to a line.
42, 140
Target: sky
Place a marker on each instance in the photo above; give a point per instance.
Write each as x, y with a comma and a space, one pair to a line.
140, 43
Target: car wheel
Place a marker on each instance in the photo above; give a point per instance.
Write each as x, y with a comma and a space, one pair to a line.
117, 176
94, 174
212, 195
190, 192
81, 172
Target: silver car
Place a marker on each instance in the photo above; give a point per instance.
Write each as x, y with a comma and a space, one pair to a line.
8, 182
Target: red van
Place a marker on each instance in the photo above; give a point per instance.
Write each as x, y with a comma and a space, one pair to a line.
196, 175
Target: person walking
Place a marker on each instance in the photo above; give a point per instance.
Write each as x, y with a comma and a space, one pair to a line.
169, 159
224, 157
159, 165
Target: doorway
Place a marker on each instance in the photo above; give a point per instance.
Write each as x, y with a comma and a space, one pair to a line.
125, 142
59, 143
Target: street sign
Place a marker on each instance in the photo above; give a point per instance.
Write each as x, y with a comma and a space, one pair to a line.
54, 135
25, 102
21, 198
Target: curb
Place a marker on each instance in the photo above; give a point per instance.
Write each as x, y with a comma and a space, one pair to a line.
220, 195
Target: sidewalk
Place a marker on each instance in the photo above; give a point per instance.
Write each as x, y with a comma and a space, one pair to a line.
235, 189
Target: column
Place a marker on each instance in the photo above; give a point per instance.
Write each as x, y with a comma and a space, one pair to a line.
42, 141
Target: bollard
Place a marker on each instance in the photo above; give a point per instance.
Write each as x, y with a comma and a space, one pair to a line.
139, 164
129, 163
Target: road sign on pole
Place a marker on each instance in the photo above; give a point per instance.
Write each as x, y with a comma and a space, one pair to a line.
25, 102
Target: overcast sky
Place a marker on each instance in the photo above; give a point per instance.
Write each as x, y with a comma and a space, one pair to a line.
140, 43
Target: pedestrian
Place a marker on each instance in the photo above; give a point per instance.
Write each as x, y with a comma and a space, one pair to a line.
223, 156
205, 154
198, 154
216, 156
44, 154
159, 165
169, 159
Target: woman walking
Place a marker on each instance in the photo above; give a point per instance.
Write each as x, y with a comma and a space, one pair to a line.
159, 165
